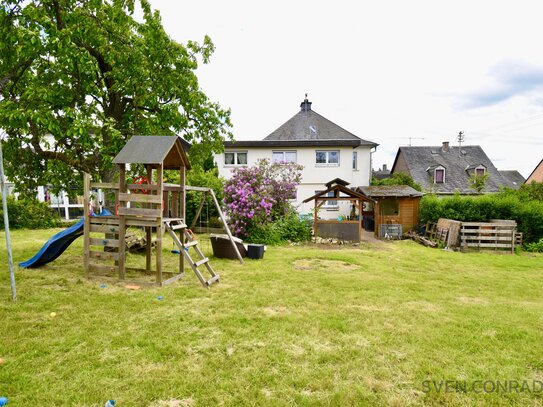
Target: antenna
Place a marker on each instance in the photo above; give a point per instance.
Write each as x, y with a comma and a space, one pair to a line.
460, 139
411, 138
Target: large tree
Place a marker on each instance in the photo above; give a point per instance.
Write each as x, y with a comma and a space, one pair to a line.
80, 77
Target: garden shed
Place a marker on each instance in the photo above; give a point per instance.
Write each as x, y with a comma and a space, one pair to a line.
395, 208
343, 227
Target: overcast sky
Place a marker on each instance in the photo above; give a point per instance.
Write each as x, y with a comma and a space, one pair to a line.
386, 71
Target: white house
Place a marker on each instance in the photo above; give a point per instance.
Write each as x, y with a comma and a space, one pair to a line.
325, 150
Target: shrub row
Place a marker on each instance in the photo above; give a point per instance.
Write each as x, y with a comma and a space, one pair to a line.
29, 214
527, 213
290, 228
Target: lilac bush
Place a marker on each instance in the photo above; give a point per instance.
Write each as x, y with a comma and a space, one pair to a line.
259, 194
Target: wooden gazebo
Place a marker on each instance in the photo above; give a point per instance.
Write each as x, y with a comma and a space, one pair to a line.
344, 227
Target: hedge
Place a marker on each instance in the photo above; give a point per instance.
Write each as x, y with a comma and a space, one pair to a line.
508, 205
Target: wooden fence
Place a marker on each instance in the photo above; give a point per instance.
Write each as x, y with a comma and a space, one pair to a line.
498, 236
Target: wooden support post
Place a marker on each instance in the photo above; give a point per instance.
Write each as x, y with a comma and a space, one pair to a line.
159, 229
86, 224
182, 212
360, 220
148, 230
122, 223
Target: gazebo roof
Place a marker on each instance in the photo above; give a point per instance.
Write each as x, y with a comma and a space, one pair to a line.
154, 150
338, 188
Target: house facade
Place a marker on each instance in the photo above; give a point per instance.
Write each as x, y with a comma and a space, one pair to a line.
446, 170
324, 149
537, 174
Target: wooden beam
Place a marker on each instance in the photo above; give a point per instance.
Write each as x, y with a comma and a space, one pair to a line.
86, 224
122, 222
225, 225
139, 198
159, 228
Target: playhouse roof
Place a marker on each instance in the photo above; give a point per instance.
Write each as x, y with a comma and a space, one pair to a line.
154, 150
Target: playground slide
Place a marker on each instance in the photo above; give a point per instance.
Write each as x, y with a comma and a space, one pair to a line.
55, 246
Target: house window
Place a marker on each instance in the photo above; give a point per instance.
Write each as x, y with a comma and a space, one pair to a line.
235, 158
327, 157
284, 156
355, 160
331, 204
439, 175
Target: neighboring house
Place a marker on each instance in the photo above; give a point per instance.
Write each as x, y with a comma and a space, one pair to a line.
381, 173
514, 177
445, 170
324, 149
537, 174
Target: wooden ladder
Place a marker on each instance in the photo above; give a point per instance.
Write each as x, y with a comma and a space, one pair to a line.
171, 227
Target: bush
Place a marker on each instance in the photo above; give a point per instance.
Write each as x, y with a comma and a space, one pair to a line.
397, 179
290, 228
534, 247
258, 195
29, 214
209, 179
515, 205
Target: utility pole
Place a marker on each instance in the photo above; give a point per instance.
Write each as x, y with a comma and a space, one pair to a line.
6, 225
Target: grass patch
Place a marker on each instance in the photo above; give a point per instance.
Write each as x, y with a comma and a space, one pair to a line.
304, 326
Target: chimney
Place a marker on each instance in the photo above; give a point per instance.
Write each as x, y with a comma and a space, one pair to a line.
445, 147
305, 105
384, 167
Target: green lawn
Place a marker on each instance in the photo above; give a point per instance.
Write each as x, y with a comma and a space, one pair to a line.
370, 325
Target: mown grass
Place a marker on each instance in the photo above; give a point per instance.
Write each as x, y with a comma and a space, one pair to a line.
305, 326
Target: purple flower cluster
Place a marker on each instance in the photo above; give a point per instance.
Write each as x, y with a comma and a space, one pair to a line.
259, 194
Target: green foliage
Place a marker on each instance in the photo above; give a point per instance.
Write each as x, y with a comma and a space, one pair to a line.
506, 205
478, 182
78, 78
534, 247
397, 179
29, 214
290, 228
209, 179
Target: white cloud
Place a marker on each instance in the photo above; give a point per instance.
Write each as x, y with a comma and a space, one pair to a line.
385, 71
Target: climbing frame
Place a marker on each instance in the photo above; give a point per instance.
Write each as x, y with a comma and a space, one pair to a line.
142, 205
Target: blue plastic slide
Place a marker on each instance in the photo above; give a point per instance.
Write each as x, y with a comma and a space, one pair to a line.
55, 246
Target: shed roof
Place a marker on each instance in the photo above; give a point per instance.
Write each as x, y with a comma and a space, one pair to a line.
154, 150
397, 191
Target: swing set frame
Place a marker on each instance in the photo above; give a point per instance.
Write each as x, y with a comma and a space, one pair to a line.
205, 191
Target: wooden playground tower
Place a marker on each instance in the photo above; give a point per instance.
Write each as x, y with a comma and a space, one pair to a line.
152, 205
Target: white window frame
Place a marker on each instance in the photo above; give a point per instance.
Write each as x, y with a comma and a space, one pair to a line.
332, 204
355, 160
440, 168
327, 154
236, 158
284, 152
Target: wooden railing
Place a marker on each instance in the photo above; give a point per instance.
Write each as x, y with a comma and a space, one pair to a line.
488, 236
